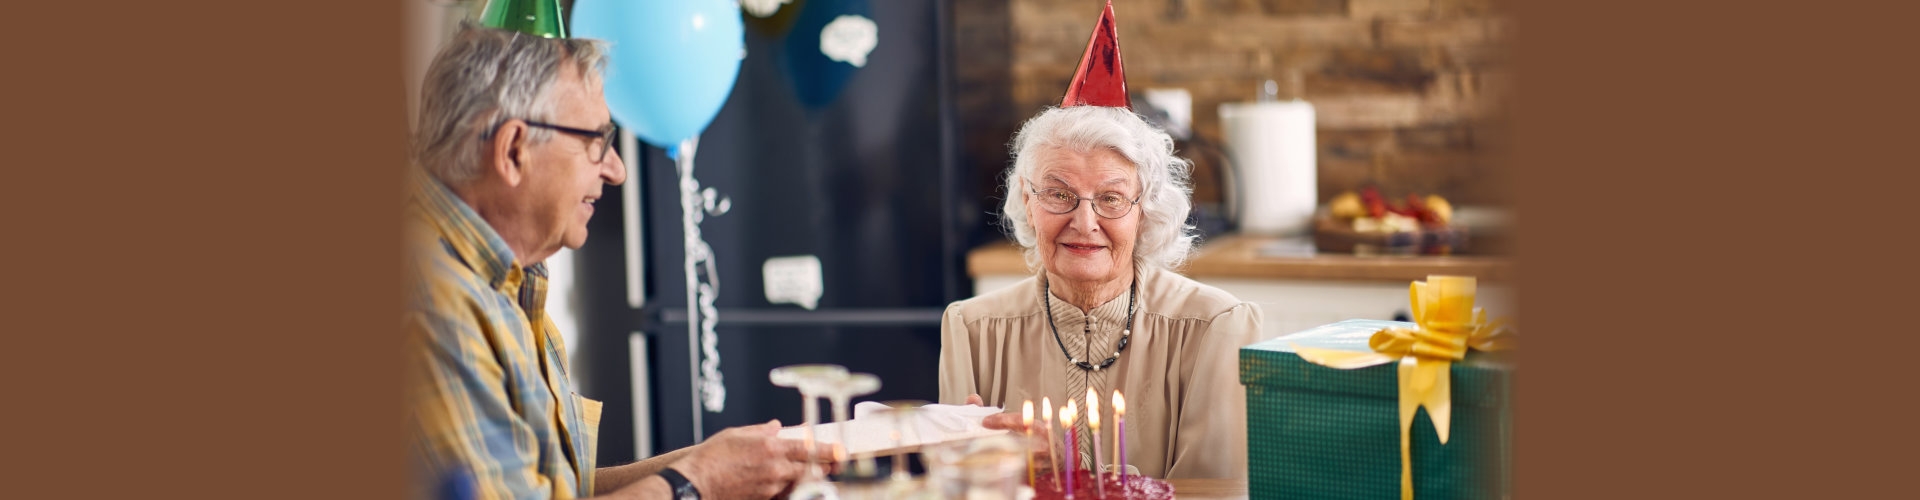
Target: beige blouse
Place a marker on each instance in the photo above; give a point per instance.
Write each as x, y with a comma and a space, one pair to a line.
1186, 412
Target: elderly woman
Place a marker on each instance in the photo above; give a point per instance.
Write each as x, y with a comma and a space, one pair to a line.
1099, 202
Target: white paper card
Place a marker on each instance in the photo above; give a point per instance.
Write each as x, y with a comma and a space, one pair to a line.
871, 429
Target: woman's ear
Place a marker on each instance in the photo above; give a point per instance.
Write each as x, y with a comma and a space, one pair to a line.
1026, 200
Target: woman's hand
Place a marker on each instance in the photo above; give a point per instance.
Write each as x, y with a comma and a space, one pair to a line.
998, 421
1041, 436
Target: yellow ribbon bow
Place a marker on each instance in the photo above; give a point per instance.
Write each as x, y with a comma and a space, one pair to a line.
1448, 326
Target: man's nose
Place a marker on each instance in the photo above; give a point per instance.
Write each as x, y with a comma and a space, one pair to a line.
613, 169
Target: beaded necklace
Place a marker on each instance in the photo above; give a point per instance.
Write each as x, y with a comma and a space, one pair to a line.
1126, 334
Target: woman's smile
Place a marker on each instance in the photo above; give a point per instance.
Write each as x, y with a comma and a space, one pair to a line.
1083, 250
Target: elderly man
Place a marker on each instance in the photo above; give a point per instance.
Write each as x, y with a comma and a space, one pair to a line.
513, 150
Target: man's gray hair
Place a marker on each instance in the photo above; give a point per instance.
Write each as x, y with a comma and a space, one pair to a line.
1165, 238
483, 77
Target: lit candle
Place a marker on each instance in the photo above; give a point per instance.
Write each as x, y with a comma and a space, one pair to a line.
1120, 437
1093, 425
1026, 423
1046, 424
1067, 415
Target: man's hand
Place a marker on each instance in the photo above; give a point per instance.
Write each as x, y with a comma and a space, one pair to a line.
998, 421
745, 462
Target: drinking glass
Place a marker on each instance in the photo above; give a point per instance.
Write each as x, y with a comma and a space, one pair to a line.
841, 392
902, 413
812, 380
975, 469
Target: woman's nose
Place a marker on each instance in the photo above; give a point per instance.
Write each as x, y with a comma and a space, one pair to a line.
1083, 217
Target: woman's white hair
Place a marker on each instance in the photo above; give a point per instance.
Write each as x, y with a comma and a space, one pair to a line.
1165, 238
483, 77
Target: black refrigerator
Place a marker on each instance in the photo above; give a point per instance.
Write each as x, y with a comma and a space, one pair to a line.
854, 165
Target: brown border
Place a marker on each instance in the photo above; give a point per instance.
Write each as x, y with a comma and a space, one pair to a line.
205, 197
201, 211
1710, 303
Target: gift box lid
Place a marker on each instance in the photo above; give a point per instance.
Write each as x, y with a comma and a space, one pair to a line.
1480, 379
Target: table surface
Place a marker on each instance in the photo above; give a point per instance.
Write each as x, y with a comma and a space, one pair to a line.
1183, 489
1209, 489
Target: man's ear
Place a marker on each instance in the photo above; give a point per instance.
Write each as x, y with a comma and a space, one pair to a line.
509, 148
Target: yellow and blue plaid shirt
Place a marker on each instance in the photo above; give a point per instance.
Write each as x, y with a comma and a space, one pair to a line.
489, 399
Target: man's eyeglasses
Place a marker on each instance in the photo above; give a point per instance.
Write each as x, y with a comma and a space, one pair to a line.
1110, 204
595, 150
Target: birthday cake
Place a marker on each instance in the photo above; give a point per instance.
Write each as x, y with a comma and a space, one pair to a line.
1136, 487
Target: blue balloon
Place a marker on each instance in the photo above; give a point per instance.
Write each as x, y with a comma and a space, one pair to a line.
671, 64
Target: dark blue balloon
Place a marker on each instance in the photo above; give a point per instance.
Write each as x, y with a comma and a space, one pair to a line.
817, 77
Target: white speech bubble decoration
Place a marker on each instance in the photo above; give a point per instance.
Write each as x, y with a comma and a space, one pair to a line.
763, 8
793, 280
849, 39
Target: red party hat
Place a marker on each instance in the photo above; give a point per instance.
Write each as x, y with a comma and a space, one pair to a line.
1100, 80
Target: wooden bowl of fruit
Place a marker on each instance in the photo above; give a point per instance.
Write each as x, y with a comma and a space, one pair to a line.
1364, 223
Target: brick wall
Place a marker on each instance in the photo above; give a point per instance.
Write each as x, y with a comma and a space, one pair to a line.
1415, 82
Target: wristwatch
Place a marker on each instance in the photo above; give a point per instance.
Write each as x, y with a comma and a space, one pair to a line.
682, 488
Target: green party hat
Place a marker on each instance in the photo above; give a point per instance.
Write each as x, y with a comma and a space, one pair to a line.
533, 17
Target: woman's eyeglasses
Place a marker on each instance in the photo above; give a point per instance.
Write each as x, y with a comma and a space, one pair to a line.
1110, 204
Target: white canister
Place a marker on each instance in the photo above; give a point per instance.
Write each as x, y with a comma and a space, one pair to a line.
1271, 145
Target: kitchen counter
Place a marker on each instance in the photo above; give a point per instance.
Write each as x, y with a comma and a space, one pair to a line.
1295, 287
1264, 257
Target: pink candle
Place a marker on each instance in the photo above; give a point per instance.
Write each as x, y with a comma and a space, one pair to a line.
1120, 437
1067, 415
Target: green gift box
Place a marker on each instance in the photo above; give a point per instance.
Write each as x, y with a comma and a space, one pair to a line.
1326, 433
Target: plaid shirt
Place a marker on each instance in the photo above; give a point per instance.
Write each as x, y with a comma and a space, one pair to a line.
489, 399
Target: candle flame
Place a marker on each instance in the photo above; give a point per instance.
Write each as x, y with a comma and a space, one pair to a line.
1026, 413
1046, 410
1119, 404
1093, 409
1068, 413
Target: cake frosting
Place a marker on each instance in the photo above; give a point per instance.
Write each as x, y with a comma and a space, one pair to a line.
1137, 487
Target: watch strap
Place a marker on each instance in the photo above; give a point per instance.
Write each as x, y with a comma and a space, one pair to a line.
678, 483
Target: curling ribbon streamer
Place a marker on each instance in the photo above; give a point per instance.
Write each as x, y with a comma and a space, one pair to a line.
1448, 326
703, 280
